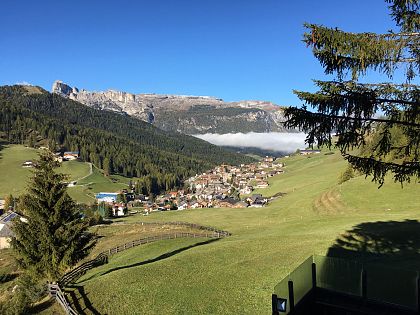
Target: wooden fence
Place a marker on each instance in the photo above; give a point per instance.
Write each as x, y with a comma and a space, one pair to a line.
55, 291
204, 231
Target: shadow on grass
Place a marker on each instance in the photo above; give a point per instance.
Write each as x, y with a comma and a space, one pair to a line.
8, 277
380, 262
163, 256
149, 261
87, 306
395, 243
41, 307
77, 292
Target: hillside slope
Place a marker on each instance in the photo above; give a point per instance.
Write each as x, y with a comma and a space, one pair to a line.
117, 143
237, 275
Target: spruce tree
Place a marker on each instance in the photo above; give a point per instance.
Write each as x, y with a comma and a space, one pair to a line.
9, 203
53, 237
357, 112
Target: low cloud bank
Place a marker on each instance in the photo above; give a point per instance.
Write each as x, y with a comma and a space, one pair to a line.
275, 141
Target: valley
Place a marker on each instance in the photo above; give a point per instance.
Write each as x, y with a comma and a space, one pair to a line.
237, 274
210, 157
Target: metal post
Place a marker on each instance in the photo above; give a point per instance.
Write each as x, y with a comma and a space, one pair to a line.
364, 284
275, 311
291, 296
418, 293
313, 276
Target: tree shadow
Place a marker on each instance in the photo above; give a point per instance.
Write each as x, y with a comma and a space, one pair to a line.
163, 256
395, 243
380, 263
149, 261
87, 307
43, 306
77, 292
8, 277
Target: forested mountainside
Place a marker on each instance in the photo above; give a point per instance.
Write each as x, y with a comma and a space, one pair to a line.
115, 142
183, 113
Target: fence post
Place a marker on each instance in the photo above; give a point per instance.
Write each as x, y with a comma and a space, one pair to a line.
313, 276
364, 284
418, 293
275, 311
291, 296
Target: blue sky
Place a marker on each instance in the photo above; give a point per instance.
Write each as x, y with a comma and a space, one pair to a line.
233, 49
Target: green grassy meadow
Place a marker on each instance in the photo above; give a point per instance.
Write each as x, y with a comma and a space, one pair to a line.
236, 275
14, 177
75, 169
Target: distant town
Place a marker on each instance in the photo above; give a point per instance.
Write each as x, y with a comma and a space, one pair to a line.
225, 186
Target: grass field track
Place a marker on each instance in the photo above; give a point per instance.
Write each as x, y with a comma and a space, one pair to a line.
329, 203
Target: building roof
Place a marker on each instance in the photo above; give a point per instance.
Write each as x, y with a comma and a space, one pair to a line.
256, 196
5, 230
310, 151
6, 222
106, 194
8, 217
230, 200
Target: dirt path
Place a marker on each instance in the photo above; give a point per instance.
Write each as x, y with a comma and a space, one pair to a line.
90, 173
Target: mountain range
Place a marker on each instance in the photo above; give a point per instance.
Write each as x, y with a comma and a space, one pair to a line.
182, 113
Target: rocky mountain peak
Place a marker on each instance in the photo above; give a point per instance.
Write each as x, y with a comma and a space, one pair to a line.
63, 89
184, 113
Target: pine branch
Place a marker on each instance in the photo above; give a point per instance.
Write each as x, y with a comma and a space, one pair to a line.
412, 34
339, 51
333, 98
406, 14
359, 84
294, 111
353, 98
378, 169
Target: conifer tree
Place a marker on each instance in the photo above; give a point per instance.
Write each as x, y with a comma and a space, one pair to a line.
53, 237
356, 112
9, 202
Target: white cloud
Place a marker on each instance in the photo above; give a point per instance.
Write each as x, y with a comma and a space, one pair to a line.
23, 83
276, 141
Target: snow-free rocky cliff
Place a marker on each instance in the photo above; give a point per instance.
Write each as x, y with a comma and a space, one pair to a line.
183, 113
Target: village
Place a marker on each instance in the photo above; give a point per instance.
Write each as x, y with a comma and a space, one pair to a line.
225, 186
